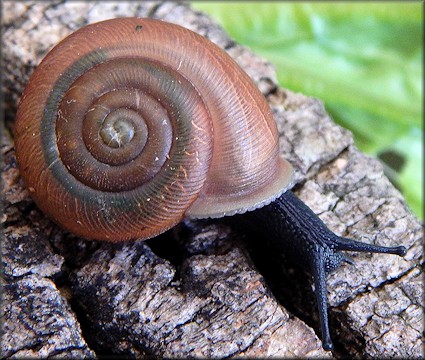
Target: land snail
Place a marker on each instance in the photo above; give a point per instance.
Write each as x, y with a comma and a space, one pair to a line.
129, 125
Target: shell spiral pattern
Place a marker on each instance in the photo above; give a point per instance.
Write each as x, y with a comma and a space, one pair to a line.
123, 130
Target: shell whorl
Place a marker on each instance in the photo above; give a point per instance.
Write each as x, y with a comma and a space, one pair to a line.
124, 128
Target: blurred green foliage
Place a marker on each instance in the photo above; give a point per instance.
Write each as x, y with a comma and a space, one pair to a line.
364, 60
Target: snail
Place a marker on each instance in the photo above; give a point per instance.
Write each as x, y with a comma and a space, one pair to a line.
129, 125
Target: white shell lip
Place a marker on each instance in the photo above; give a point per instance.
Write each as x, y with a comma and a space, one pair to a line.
220, 206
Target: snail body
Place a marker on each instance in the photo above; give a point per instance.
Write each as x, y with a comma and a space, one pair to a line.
129, 125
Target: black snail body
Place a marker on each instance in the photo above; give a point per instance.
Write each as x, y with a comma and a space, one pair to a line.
294, 228
129, 125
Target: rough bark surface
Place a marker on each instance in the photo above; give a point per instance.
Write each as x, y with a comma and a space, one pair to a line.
196, 291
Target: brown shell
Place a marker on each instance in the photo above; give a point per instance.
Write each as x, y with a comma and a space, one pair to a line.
128, 125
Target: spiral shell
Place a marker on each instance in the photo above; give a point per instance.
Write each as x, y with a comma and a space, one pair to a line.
128, 125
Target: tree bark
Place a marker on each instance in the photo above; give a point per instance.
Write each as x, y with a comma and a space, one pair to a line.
197, 290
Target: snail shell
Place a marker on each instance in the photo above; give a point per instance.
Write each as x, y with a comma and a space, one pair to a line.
128, 125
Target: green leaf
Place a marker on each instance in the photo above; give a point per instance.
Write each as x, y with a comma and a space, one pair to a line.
364, 60
410, 176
